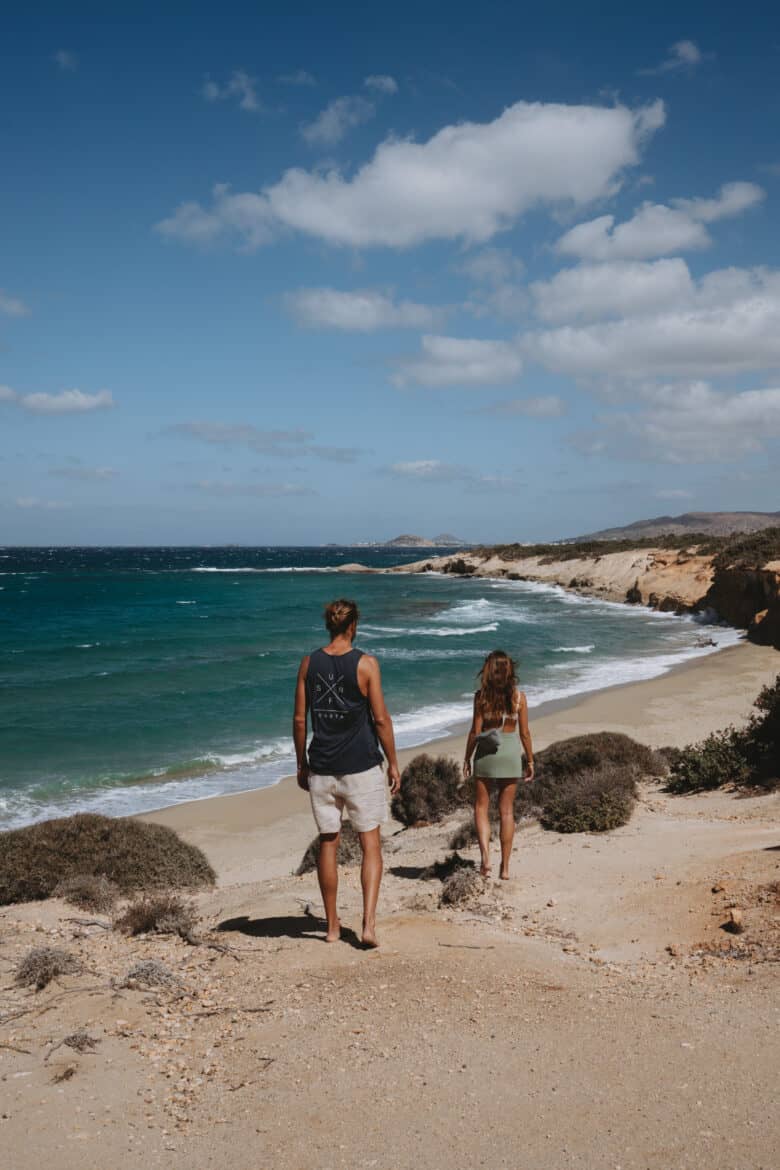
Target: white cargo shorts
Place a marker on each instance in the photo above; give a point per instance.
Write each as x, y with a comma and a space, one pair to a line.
363, 794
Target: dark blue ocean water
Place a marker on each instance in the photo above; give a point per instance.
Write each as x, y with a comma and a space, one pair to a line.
134, 678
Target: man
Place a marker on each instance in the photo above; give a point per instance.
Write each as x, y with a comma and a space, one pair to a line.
340, 687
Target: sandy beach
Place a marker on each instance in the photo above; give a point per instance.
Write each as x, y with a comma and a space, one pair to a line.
591, 1012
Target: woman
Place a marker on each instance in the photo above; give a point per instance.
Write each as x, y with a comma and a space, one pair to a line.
499, 727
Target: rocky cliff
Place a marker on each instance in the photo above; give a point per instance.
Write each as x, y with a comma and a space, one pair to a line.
672, 580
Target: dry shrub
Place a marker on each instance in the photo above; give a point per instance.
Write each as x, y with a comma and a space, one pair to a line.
466, 832
149, 973
42, 964
441, 870
81, 1041
158, 914
349, 852
88, 892
461, 888
131, 854
431, 788
590, 801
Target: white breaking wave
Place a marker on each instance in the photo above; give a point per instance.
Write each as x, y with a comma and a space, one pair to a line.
426, 631
186, 603
574, 649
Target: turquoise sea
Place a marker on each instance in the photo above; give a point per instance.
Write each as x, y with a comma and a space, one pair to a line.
135, 678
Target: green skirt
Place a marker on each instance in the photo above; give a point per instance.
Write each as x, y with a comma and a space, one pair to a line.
505, 763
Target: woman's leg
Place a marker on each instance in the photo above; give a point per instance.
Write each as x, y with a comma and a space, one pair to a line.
328, 874
506, 811
370, 878
482, 822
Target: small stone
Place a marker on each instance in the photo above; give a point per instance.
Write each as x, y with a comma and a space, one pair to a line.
735, 924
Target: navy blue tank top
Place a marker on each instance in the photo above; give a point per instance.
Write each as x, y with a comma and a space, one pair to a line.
344, 736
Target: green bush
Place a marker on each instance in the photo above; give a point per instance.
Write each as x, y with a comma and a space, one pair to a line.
750, 757
131, 854
431, 789
594, 751
349, 852
591, 801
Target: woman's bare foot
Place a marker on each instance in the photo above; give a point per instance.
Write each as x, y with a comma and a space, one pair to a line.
504, 875
368, 935
486, 869
334, 932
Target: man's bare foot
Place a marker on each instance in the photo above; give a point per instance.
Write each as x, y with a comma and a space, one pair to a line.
368, 936
334, 932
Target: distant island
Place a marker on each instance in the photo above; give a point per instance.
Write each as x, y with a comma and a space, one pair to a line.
444, 540
700, 523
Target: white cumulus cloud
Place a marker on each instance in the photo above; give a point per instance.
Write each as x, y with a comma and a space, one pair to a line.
468, 181
360, 311
337, 119
460, 361
613, 289
658, 230
727, 323
688, 424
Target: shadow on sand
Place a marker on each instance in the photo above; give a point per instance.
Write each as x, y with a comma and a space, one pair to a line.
301, 926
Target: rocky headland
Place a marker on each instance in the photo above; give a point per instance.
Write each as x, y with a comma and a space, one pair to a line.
736, 578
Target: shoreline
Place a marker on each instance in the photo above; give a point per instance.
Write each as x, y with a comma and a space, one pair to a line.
256, 834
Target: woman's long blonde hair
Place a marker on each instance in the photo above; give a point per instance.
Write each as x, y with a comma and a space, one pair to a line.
497, 685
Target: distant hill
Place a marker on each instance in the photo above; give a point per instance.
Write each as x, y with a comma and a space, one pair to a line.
708, 523
406, 540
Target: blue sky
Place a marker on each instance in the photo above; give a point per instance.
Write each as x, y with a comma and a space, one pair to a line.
338, 272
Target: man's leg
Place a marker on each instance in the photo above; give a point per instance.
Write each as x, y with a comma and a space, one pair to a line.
482, 822
370, 878
328, 874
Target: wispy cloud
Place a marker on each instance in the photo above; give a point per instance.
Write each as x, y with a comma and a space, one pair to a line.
362, 311
534, 406
280, 444
12, 306
300, 77
337, 119
42, 505
435, 471
66, 60
239, 86
681, 55
66, 402
87, 474
381, 83
220, 488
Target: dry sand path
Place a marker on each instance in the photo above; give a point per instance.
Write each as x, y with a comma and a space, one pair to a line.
591, 1012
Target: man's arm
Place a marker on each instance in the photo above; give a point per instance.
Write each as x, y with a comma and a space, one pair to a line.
299, 724
369, 668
